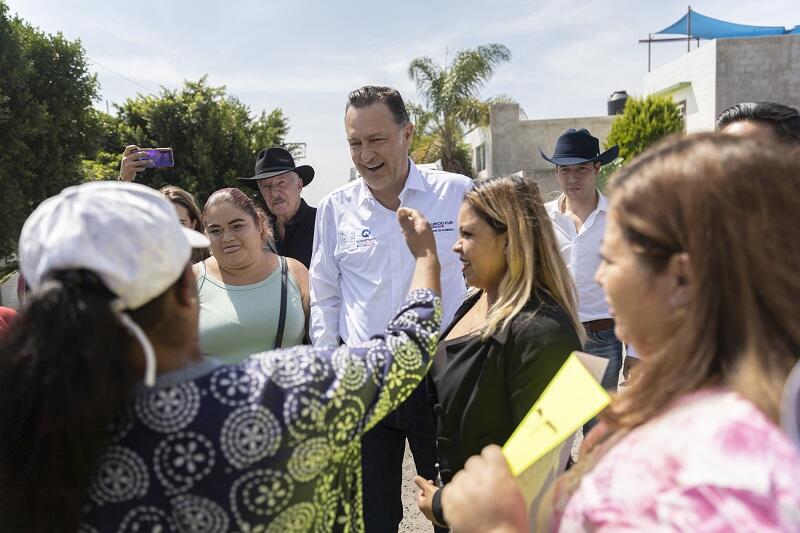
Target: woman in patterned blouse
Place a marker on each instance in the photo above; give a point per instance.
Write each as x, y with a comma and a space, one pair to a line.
271, 444
700, 265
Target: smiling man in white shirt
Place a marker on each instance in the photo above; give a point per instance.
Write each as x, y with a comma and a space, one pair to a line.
579, 221
360, 271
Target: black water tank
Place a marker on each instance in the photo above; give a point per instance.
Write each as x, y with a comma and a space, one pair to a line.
616, 102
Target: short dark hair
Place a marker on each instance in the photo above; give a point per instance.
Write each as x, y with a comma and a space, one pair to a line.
784, 120
371, 94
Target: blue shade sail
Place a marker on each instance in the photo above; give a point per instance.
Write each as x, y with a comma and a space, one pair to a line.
704, 27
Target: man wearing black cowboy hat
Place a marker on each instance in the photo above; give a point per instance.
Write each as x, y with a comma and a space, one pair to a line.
280, 183
579, 221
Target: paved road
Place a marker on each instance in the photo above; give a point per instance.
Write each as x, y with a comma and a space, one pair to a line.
413, 520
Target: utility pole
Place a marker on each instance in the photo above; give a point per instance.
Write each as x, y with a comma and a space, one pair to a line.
298, 150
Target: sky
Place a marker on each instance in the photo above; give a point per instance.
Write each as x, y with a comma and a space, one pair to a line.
568, 56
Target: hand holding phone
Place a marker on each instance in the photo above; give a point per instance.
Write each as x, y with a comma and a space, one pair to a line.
131, 163
136, 160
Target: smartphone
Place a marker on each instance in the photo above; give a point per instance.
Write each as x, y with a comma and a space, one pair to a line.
162, 157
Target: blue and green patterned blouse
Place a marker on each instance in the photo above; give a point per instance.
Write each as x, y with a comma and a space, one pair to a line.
269, 445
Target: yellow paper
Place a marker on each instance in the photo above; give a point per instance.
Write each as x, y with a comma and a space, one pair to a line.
571, 399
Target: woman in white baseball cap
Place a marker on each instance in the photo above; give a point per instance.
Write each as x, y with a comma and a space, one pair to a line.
268, 444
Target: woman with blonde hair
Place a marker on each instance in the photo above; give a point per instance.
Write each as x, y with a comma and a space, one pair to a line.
700, 265
513, 332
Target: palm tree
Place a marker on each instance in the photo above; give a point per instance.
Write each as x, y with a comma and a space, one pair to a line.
452, 104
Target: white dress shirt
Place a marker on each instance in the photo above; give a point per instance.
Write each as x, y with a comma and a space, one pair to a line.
361, 268
581, 253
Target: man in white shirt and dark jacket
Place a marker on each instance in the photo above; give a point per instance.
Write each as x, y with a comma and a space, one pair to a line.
360, 271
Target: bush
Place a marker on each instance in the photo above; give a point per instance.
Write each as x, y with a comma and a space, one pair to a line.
644, 122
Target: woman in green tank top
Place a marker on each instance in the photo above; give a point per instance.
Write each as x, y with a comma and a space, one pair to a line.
240, 286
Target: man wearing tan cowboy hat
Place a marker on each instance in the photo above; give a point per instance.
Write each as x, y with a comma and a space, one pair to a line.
280, 183
579, 220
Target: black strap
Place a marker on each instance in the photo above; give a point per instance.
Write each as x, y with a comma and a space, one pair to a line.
436, 508
282, 318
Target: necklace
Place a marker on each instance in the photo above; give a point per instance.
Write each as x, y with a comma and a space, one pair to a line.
473, 321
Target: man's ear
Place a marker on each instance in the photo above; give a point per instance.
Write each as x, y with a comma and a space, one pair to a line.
681, 279
408, 133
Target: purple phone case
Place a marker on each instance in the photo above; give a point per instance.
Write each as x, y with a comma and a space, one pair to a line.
161, 158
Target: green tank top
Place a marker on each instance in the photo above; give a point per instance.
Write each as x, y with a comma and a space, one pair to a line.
239, 320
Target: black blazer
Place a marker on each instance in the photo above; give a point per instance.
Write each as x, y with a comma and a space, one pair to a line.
480, 391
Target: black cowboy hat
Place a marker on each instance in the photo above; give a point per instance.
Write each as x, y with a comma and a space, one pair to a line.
578, 146
275, 161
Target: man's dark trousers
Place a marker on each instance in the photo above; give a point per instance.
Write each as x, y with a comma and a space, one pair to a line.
382, 451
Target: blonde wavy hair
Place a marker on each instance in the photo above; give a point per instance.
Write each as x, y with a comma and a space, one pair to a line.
513, 205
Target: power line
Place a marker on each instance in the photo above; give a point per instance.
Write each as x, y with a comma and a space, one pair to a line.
148, 89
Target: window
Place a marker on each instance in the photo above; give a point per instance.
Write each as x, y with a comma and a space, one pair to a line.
682, 109
480, 157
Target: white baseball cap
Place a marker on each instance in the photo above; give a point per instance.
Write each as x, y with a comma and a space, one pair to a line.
128, 234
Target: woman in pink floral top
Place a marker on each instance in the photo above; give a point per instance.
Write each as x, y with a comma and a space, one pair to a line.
701, 267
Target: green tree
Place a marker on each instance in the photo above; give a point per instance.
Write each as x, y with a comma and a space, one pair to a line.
269, 129
642, 123
47, 124
106, 138
606, 171
213, 136
452, 105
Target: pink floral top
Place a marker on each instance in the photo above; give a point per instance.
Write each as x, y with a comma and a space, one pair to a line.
712, 463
